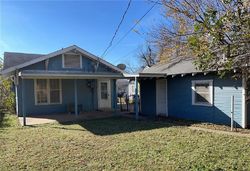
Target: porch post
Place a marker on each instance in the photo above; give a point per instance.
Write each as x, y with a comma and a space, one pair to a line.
76, 103
244, 111
136, 99
23, 105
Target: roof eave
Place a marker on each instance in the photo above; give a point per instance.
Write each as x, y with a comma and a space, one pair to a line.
68, 76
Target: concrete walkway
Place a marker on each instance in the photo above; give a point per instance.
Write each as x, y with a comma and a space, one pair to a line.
62, 118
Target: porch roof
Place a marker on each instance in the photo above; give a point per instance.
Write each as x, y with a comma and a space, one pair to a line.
26, 74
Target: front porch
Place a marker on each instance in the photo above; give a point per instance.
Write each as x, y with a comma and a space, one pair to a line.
63, 118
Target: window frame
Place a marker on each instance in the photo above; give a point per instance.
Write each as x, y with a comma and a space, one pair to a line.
211, 93
47, 92
63, 61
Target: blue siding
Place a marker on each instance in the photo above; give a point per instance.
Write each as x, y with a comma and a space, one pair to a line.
87, 97
180, 99
87, 94
113, 95
87, 89
55, 64
36, 66
148, 97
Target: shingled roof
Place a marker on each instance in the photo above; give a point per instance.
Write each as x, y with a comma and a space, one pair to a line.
13, 59
173, 67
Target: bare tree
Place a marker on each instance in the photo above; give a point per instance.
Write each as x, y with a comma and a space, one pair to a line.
147, 56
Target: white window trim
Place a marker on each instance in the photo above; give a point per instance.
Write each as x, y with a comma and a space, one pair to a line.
48, 93
210, 82
80, 56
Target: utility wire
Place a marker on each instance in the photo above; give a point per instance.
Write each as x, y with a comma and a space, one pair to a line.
132, 28
117, 29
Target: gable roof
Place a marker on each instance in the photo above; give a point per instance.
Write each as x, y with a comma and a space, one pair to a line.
12, 59
173, 67
30, 59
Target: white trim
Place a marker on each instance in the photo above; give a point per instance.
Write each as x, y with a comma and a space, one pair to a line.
66, 76
63, 61
59, 52
210, 82
159, 91
130, 75
244, 111
109, 93
48, 92
16, 93
81, 61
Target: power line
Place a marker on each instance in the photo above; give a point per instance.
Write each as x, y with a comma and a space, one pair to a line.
131, 29
117, 29
130, 52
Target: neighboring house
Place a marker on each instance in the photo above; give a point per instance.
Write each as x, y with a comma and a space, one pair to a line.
128, 87
68, 80
122, 85
131, 90
178, 90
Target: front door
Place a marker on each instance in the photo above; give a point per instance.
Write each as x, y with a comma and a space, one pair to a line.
104, 95
161, 97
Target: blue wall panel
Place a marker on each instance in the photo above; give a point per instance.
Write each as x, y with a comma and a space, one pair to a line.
113, 94
86, 94
148, 97
180, 99
87, 97
87, 89
55, 64
36, 66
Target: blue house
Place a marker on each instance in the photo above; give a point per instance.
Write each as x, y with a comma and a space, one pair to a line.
176, 89
68, 80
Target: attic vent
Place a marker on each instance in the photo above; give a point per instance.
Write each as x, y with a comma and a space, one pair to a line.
72, 61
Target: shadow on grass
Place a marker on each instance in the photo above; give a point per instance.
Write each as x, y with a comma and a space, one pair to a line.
121, 124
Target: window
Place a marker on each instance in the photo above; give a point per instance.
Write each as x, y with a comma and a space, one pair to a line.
104, 90
41, 91
48, 91
72, 61
202, 92
54, 91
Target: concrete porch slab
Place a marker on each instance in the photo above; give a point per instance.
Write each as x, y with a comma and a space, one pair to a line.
62, 118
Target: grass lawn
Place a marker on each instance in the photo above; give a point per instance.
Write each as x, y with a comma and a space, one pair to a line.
119, 144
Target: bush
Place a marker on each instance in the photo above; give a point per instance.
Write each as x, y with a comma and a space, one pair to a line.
7, 96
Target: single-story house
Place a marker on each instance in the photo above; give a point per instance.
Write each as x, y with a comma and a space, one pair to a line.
68, 80
177, 89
